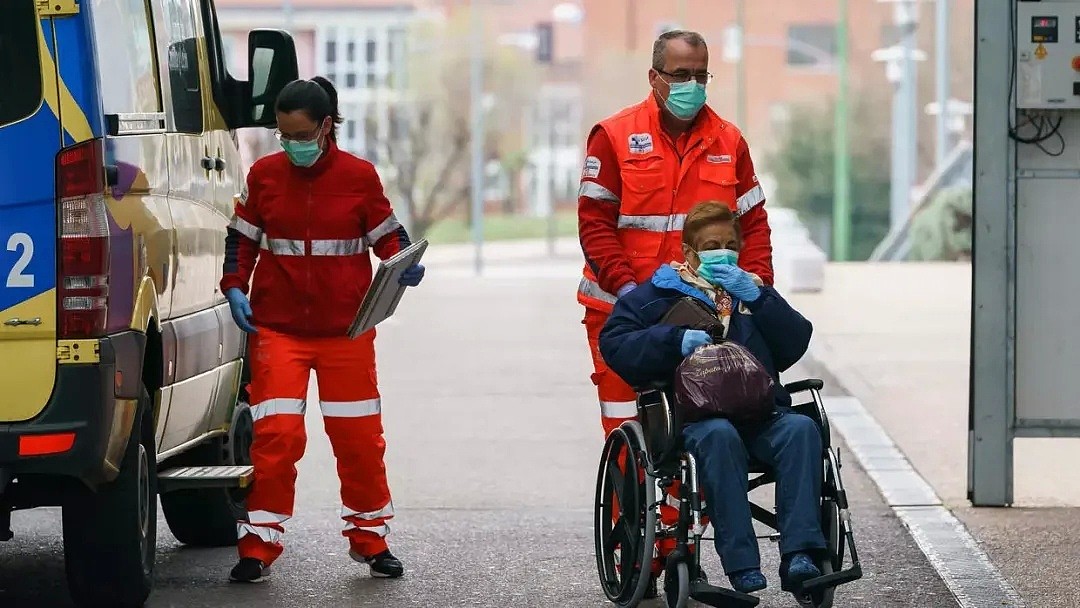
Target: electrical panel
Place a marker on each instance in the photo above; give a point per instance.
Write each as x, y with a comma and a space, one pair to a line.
1048, 55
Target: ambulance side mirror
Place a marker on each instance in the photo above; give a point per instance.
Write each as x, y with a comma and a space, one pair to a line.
271, 65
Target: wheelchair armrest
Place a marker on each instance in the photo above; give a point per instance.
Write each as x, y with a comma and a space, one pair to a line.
810, 384
656, 385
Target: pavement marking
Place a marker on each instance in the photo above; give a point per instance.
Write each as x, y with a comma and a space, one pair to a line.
950, 548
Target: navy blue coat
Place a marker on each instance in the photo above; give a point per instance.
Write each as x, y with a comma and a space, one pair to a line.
641, 351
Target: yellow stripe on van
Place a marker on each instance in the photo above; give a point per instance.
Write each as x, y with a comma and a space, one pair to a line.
72, 117
28, 353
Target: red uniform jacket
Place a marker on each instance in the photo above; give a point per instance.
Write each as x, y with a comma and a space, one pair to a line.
310, 230
599, 207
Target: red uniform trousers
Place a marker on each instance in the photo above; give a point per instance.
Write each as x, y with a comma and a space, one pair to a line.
350, 404
618, 403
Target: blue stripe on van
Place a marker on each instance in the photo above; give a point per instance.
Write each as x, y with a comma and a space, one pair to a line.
75, 54
27, 204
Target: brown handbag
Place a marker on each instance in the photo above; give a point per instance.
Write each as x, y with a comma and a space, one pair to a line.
720, 380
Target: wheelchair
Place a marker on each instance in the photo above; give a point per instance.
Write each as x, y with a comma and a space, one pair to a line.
644, 457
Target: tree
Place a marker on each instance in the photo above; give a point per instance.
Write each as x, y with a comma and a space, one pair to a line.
425, 153
802, 165
942, 230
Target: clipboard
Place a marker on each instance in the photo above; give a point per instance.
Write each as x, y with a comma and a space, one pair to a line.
382, 297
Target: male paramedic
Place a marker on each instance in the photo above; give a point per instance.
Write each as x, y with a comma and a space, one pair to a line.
646, 167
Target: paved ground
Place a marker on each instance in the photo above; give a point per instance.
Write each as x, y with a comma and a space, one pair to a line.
897, 336
493, 440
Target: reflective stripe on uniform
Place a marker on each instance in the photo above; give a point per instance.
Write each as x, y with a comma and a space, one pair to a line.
338, 247
387, 511
752, 198
380, 530
597, 192
283, 246
618, 409
673, 501
387, 226
351, 409
246, 228
267, 535
653, 223
274, 407
590, 289
266, 517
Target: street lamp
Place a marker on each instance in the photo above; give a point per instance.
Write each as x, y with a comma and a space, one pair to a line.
899, 63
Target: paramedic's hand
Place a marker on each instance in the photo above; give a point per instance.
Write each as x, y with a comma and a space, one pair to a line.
412, 276
694, 338
241, 310
737, 282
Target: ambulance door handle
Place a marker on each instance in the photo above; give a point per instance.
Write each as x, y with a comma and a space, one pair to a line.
17, 322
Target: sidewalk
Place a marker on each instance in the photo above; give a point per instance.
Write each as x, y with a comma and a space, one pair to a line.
897, 336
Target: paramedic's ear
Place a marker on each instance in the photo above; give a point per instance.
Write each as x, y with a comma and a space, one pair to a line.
690, 256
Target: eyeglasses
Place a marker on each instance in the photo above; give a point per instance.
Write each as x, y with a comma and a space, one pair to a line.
680, 76
301, 137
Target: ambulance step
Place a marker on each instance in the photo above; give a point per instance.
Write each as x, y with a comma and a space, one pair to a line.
189, 478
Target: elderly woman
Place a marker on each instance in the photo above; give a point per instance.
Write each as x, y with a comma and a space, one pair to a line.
642, 350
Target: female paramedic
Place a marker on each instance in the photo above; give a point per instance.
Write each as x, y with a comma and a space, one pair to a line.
309, 215
641, 351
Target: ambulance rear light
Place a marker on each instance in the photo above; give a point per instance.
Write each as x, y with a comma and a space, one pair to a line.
83, 250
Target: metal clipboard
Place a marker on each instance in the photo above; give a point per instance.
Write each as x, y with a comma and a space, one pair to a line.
385, 292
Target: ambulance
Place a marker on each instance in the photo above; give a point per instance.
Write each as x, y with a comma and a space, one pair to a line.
121, 371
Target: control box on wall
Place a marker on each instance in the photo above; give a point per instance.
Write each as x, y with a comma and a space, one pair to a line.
1048, 55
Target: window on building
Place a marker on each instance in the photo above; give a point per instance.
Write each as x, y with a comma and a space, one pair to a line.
179, 32
811, 45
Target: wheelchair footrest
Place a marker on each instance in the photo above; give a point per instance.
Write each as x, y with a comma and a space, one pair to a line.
719, 597
832, 580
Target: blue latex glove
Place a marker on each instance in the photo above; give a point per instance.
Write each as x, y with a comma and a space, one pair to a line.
241, 309
625, 289
737, 282
412, 276
694, 338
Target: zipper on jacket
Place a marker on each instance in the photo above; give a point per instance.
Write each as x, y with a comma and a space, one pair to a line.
307, 265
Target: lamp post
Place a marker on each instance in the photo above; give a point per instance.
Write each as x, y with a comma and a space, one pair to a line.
941, 54
841, 146
476, 132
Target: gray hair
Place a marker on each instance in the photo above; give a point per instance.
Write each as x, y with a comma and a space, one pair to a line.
694, 39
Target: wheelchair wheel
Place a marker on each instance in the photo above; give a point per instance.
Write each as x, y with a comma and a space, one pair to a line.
625, 519
677, 586
832, 558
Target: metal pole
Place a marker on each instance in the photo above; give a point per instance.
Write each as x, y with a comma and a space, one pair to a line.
841, 147
549, 115
740, 69
941, 45
909, 112
476, 132
287, 13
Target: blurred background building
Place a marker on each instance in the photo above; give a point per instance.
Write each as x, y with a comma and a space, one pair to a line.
553, 68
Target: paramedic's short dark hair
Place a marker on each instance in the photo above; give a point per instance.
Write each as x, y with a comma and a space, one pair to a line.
694, 39
316, 97
706, 214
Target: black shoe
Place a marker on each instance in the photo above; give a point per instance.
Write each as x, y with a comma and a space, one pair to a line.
383, 565
249, 570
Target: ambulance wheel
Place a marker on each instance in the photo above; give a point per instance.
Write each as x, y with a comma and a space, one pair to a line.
110, 536
207, 517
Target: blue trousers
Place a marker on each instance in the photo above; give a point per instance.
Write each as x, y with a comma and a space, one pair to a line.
791, 446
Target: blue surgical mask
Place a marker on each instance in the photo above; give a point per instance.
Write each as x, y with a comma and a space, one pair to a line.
685, 99
715, 258
302, 153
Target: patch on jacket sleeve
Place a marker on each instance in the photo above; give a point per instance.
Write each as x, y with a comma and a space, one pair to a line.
242, 198
641, 143
591, 169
